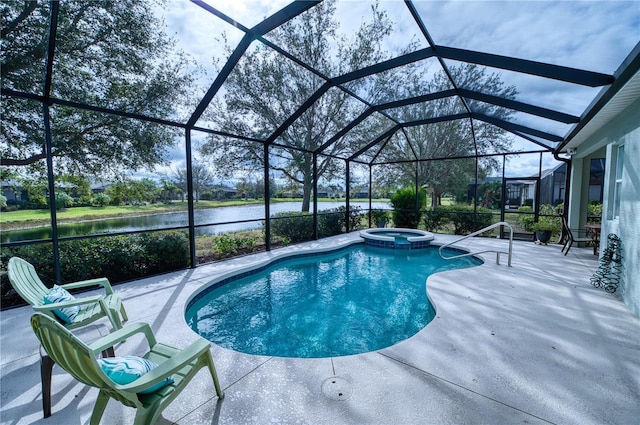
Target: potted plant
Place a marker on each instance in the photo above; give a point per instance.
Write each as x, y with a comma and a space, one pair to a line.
544, 228
379, 218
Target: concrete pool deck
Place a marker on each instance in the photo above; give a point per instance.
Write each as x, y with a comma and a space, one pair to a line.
532, 343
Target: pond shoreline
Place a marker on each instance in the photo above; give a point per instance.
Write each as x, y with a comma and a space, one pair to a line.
218, 219
39, 223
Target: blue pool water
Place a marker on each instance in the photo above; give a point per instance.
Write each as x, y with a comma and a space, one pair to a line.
351, 301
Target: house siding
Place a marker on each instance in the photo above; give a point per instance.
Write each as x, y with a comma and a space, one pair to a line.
623, 130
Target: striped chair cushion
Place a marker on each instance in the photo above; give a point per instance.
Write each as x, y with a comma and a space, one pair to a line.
58, 294
126, 369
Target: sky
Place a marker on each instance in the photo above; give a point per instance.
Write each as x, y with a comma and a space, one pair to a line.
590, 35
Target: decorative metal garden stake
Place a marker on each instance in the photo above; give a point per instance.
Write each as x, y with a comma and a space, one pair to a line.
608, 274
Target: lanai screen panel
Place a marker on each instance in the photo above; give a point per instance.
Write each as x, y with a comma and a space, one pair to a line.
247, 13
447, 139
345, 32
334, 110
401, 82
261, 92
23, 139
22, 133
428, 109
565, 97
575, 34
396, 146
112, 62
206, 40
522, 165
23, 54
360, 135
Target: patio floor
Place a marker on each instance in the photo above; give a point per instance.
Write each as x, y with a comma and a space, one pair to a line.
532, 343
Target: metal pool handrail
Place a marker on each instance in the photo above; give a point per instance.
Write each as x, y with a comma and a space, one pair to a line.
502, 223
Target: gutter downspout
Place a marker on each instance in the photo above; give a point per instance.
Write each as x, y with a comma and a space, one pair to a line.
567, 184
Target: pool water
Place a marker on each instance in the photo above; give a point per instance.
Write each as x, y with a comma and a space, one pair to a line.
400, 238
351, 301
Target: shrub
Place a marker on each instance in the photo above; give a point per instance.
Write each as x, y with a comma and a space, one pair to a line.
36, 202
594, 212
118, 258
63, 201
164, 251
334, 221
355, 217
526, 221
101, 200
229, 245
546, 223
464, 220
292, 227
331, 222
436, 219
379, 216
406, 211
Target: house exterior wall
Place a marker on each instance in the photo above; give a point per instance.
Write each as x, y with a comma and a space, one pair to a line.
622, 130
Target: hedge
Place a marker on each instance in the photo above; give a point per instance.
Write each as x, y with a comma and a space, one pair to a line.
118, 258
461, 216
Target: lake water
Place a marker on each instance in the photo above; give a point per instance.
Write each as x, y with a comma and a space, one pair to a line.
211, 217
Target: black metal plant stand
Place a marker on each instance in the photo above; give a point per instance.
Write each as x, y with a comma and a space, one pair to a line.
608, 274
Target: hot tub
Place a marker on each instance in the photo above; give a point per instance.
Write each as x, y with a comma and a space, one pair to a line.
398, 238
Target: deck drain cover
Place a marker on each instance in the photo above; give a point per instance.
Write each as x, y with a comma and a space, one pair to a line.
337, 388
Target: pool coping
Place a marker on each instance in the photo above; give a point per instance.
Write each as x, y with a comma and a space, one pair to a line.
371, 237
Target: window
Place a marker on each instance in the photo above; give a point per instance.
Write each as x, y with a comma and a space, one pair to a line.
618, 182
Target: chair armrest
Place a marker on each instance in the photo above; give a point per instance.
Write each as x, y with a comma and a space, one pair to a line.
76, 302
101, 281
168, 367
121, 335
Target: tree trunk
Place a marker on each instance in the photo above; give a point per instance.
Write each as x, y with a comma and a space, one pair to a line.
306, 196
436, 197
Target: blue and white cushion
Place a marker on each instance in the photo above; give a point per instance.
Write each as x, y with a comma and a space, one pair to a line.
58, 294
126, 369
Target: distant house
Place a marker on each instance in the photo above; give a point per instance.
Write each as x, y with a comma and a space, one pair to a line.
553, 185
553, 182
517, 191
13, 192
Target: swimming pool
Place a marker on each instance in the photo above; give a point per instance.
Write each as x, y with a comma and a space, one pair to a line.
353, 300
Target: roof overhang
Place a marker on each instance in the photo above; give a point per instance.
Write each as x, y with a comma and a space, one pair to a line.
609, 103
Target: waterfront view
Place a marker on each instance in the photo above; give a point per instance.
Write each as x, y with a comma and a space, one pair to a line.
217, 220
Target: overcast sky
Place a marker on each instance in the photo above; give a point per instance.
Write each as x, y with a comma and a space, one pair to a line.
591, 35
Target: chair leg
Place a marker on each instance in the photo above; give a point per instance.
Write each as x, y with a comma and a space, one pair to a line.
214, 375
146, 416
123, 313
98, 409
46, 371
569, 247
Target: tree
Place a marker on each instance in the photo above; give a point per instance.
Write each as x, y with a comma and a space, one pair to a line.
491, 193
169, 190
451, 138
111, 54
202, 179
265, 89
